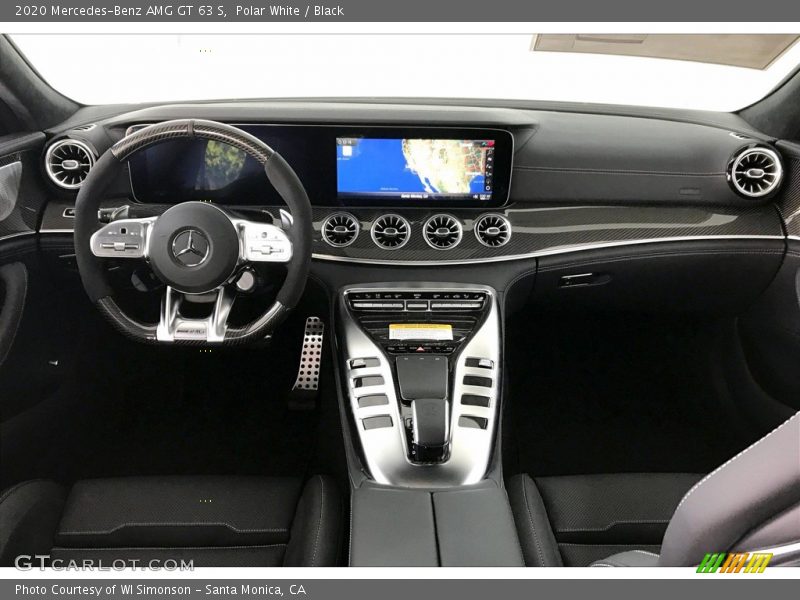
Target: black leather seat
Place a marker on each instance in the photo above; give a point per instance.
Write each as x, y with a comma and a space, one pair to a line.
213, 521
576, 520
749, 504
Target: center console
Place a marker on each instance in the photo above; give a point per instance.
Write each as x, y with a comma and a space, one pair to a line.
421, 364
421, 371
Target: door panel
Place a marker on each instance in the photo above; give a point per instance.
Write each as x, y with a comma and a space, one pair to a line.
21, 193
13, 289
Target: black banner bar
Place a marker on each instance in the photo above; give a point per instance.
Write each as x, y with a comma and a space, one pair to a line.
454, 11
732, 587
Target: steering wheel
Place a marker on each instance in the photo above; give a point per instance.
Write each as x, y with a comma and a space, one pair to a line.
195, 248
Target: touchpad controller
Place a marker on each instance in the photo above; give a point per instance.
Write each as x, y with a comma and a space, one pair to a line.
422, 376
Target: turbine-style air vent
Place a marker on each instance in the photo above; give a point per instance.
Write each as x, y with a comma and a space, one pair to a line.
340, 229
68, 162
390, 232
755, 172
442, 232
493, 230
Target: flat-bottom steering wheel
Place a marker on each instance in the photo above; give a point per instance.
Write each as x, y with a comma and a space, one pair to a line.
195, 248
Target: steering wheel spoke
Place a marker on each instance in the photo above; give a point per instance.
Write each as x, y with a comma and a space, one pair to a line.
173, 326
124, 238
262, 242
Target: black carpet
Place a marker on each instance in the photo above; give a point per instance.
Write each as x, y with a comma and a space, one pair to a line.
612, 394
119, 408
203, 413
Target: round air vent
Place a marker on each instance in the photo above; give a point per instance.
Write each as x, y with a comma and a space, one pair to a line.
755, 172
390, 232
340, 229
68, 162
442, 232
493, 230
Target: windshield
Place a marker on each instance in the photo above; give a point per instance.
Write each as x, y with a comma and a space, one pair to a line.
710, 72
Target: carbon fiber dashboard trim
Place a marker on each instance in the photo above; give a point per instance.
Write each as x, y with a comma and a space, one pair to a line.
790, 203
554, 230
535, 231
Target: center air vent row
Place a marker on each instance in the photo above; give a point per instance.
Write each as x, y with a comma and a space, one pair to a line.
393, 231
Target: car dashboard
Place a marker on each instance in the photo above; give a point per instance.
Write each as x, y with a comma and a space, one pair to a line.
558, 182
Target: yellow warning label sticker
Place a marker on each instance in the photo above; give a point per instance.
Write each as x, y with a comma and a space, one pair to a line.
421, 331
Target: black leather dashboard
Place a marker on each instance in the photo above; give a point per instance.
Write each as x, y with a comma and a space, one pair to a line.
580, 181
559, 157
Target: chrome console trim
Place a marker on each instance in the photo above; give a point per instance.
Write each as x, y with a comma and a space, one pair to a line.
385, 449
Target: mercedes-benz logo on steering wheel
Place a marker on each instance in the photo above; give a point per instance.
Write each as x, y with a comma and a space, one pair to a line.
190, 247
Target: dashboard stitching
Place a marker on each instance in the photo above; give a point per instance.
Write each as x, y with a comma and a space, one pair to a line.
614, 171
665, 254
545, 253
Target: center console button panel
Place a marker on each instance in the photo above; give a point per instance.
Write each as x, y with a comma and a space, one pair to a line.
417, 301
421, 372
376, 311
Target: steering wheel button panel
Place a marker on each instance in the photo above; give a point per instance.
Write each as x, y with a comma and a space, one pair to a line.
263, 242
126, 238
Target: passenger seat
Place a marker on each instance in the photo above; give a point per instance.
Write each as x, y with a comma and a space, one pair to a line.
576, 520
750, 503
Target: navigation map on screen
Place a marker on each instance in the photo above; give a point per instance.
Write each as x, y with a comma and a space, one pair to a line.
415, 168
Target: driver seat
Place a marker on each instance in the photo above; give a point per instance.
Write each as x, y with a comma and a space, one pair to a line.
218, 521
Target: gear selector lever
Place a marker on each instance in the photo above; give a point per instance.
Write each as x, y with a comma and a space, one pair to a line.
423, 382
430, 429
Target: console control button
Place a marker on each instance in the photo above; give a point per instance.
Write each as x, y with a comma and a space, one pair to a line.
456, 305
478, 381
471, 422
367, 381
475, 400
377, 422
361, 363
374, 400
379, 305
480, 363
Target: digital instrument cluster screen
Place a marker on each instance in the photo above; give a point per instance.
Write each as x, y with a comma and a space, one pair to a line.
415, 169
338, 166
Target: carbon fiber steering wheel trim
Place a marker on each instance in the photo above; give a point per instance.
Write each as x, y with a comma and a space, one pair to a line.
188, 128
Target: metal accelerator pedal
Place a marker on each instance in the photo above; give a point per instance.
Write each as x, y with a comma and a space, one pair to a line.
306, 386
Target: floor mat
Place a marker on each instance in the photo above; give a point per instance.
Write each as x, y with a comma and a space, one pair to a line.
612, 394
204, 412
83, 401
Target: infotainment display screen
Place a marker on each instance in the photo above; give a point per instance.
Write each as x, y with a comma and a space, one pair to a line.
414, 168
344, 166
